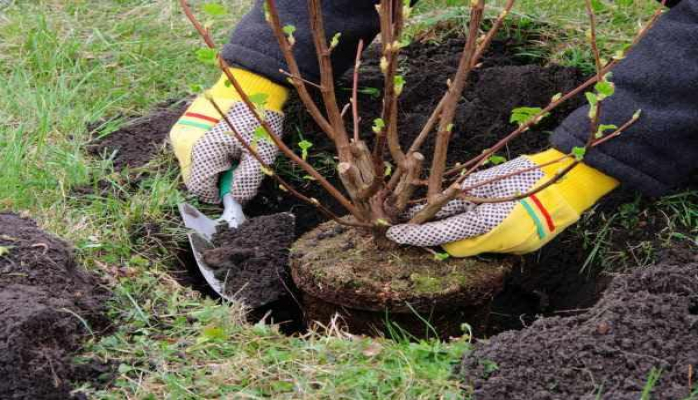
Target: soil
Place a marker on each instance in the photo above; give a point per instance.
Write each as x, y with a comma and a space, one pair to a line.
253, 259
137, 142
646, 320
44, 299
341, 270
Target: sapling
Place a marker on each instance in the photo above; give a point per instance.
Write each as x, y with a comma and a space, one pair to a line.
381, 182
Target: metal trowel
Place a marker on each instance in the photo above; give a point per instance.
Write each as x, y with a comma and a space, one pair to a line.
202, 229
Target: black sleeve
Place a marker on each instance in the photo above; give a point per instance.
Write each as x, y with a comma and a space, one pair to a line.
254, 47
660, 77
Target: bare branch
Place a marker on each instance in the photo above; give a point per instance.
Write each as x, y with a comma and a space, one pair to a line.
355, 90
493, 32
297, 78
455, 91
596, 117
329, 97
392, 16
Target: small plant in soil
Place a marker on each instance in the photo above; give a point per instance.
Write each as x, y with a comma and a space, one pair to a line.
383, 180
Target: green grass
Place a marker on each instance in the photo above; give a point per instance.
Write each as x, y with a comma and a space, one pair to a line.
69, 63
567, 23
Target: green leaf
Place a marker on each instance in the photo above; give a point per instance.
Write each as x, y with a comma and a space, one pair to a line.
523, 115
605, 89
267, 12
441, 256
592, 99
196, 88
382, 222
207, 55
335, 40
579, 153
214, 9
603, 129
288, 30
259, 99
637, 114
619, 55
557, 97
378, 125
371, 91
399, 84
388, 168
496, 160
304, 146
261, 134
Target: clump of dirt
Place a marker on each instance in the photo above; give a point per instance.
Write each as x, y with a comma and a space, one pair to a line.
45, 300
340, 269
253, 259
646, 320
138, 141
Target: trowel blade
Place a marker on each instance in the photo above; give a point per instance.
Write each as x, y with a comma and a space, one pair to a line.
198, 246
203, 229
197, 221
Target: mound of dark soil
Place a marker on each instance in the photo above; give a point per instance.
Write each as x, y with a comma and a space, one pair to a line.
646, 320
253, 259
139, 140
44, 299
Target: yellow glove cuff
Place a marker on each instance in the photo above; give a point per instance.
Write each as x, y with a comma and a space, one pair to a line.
251, 84
582, 187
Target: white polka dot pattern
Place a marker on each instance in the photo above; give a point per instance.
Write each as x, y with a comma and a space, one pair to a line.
216, 151
461, 220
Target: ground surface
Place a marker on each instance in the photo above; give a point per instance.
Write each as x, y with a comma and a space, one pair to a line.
68, 65
643, 328
48, 305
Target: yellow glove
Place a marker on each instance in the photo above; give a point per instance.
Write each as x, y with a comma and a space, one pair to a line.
513, 227
205, 147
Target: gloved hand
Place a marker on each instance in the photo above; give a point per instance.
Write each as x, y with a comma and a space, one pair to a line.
519, 227
205, 147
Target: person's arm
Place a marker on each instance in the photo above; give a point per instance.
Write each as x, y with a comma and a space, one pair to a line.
659, 77
253, 46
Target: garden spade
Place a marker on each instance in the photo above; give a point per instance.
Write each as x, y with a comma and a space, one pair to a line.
203, 228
